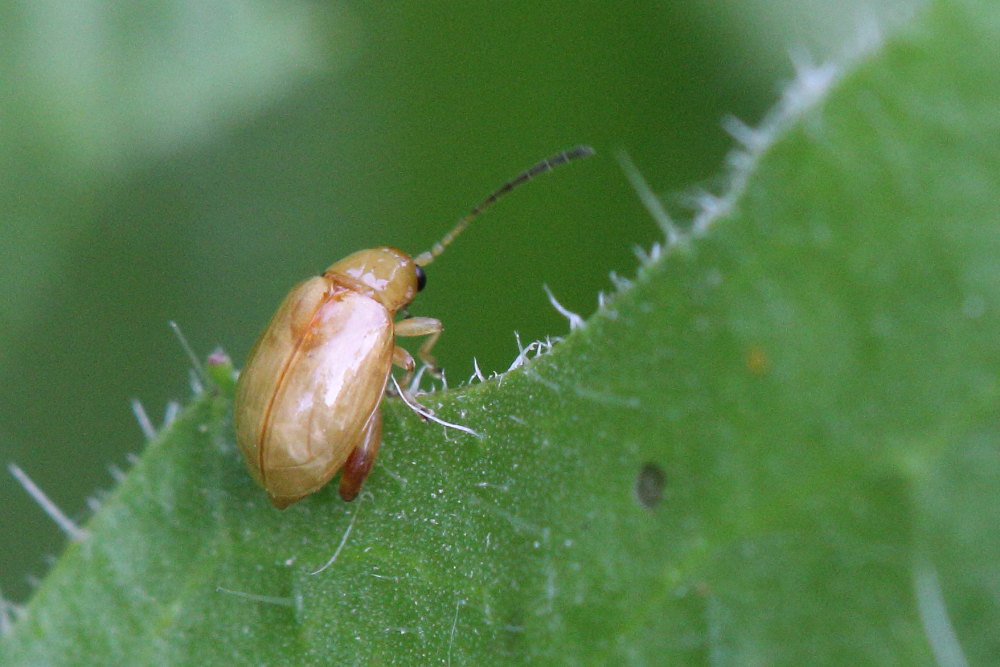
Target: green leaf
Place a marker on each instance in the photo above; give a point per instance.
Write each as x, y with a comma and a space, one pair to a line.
778, 446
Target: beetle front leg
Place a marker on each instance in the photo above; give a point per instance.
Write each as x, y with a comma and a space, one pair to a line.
362, 458
422, 326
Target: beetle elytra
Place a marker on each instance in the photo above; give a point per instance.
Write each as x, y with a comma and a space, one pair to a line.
307, 401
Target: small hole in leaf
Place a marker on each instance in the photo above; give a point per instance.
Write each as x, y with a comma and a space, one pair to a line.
649, 485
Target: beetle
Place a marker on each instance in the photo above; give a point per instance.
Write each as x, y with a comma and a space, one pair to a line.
307, 400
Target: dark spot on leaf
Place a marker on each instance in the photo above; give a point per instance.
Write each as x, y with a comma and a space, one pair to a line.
649, 485
757, 360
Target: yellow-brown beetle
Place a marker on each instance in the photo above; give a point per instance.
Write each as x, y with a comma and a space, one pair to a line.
307, 401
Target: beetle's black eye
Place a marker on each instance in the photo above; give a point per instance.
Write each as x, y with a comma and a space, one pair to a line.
421, 278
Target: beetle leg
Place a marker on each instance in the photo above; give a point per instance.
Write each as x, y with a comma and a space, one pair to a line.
361, 459
404, 360
422, 326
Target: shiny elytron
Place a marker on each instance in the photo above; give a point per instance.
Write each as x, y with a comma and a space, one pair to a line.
307, 401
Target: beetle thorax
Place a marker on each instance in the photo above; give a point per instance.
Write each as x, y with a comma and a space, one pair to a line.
385, 274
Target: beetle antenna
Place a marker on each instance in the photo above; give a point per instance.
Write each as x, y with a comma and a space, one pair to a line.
548, 164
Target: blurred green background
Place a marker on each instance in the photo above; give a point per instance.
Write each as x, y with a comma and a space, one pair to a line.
191, 161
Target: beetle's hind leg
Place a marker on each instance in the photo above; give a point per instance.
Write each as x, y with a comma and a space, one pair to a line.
362, 458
